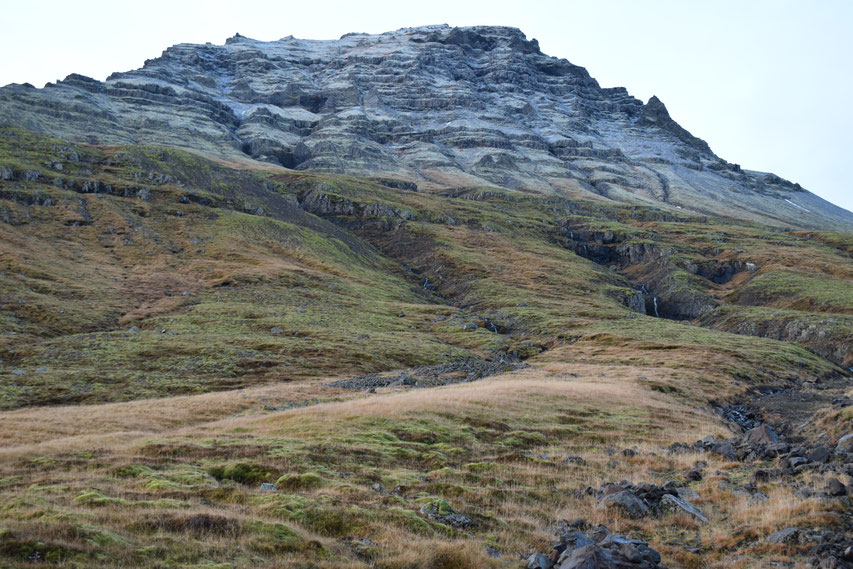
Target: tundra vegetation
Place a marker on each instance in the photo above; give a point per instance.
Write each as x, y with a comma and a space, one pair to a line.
175, 332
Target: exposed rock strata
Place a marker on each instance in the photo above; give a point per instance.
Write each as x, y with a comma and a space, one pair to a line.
435, 106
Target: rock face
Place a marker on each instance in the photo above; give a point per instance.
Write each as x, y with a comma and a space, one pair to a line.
434, 105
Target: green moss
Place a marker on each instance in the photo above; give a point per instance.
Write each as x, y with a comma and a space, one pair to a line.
100, 537
273, 538
95, 498
306, 481
242, 472
481, 466
524, 439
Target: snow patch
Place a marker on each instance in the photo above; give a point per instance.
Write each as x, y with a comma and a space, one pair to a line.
797, 205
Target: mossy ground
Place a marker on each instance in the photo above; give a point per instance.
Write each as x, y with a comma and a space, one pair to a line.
180, 321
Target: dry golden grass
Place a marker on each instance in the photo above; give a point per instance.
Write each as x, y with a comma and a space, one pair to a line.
514, 494
39, 429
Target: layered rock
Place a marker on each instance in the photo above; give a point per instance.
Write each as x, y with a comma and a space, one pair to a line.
439, 106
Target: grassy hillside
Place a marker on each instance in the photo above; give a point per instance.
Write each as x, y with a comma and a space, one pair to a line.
170, 329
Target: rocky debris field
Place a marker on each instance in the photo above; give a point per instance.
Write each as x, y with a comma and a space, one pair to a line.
764, 456
464, 371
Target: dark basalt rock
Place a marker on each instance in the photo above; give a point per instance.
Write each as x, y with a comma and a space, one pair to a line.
597, 549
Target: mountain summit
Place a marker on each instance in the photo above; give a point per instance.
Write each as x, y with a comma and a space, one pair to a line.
435, 105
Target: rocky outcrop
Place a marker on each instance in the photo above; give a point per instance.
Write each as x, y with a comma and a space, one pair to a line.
663, 288
596, 549
434, 106
826, 334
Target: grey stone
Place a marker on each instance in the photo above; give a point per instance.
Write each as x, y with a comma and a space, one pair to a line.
693, 475
845, 443
569, 542
787, 535
627, 503
834, 487
687, 494
19, 371
275, 331
671, 504
267, 487
777, 449
819, 454
757, 498
539, 561
725, 449
442, 513
761, 435
622, 554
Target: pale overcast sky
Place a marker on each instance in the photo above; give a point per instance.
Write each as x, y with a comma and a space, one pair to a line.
767, 83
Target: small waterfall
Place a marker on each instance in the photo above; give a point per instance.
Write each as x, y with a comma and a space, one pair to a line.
655, 300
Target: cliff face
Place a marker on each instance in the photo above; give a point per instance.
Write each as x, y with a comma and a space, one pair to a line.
439, 106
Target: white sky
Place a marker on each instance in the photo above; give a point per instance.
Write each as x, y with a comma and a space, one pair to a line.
767, 83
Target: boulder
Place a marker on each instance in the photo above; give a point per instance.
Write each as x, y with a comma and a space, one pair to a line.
777, 449
693, 475
834, 487
539, 561
627, 503
787, 535
441, 512
761, 435
568, 543
671, 504
622, 554
796, 461
725, 449
845, 443
819, 454
760, 475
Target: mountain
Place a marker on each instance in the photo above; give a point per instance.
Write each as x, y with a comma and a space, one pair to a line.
435, 105
423, 300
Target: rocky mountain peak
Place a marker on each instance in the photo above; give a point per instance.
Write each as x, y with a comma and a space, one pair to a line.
436, 105
655, 113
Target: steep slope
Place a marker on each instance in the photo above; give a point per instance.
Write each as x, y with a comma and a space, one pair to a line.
132, 272
440, 106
